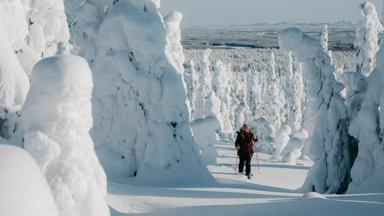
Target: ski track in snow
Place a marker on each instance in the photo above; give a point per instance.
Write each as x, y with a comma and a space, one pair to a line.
272, 191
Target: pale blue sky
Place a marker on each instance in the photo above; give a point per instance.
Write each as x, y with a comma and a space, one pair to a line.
222, 12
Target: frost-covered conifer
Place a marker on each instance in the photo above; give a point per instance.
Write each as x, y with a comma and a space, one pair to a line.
330, 147
367, 127
139, 102
367, 38
174, 49
29, 31
14, 86
55, 128
324, 38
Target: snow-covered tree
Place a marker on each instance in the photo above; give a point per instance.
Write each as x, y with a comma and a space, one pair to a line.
294, 92
292, 151
29, 31
367, 128
367, 38
282, 139
324, 38
55, 128
221, 87
14, 86
274, 99
139, 102
330, 147
324, 42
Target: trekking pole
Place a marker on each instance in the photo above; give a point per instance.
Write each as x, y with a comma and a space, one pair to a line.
257, 161
237, 160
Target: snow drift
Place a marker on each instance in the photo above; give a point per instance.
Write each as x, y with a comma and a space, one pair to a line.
24, 190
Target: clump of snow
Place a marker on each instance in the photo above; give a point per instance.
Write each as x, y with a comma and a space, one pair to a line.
264, 132
55, 128
24, 190
293, 149
206, 132
355, 89
282, 139
313, 195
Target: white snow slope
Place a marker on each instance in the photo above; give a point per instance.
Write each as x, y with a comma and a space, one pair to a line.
270, 192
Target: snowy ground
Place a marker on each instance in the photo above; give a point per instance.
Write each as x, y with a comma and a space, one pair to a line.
272, 191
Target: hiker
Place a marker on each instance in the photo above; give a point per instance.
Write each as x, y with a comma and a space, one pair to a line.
244, 145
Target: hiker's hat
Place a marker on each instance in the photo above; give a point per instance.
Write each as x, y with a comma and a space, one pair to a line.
245, 126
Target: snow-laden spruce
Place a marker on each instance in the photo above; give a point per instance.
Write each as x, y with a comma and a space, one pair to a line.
206, 133
221, 87
139, 101
29, 31
14, 85
366, 44
293, 150
325, 117
35, 28
174, 49
55, 128
324, 42
276, 101
367, 38
282, 139
24, 190
367, 127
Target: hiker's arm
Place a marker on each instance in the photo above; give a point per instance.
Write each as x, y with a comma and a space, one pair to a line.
237, 143
254, 138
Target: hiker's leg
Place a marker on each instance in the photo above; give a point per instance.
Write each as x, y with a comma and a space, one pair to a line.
248, 164
241, 164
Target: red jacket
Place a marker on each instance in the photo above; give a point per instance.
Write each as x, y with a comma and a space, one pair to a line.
244, 142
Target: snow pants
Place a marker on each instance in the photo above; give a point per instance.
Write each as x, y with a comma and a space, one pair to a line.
245, 159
